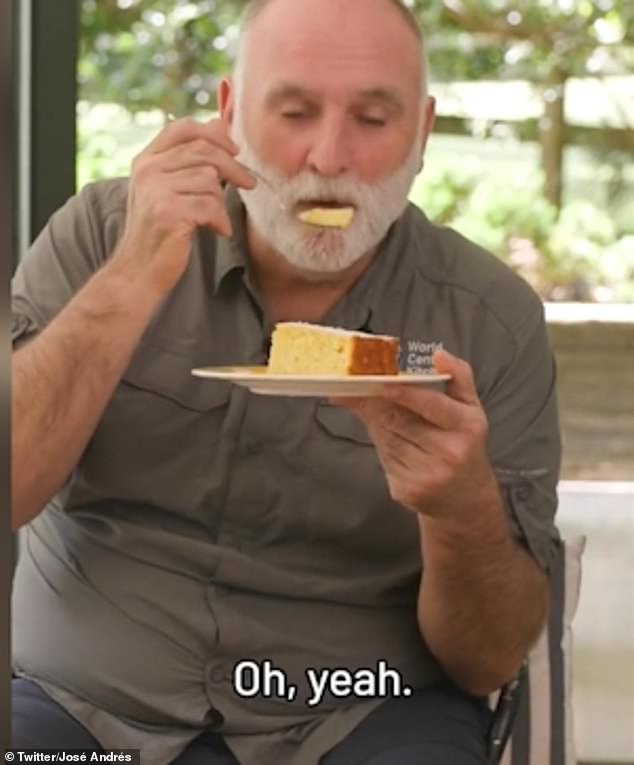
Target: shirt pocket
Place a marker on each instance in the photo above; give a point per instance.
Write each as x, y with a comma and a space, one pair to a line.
342, 423
167, 374
349, 506
160, 438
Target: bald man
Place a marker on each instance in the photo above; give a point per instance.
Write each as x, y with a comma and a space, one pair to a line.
212, 576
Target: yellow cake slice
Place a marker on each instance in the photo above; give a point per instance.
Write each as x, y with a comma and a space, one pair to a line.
298, 348
328, 217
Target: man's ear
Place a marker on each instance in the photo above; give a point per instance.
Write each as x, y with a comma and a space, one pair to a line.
226, 97
428, 120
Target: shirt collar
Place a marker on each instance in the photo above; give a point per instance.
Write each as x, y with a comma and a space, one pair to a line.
231, 253
385, 282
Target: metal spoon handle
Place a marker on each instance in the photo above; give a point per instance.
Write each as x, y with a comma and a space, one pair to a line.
259, 176
266, 181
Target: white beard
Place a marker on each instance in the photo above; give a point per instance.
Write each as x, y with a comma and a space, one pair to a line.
323, 251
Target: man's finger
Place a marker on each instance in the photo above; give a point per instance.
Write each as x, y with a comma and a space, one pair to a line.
181, 131
201, 180
210, 211
461, 386
187, 155
433, 406
200, 153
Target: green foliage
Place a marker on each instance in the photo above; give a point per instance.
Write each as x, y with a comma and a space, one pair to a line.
160, 53
443, 191
585, 245
580, 255
497, 210
156, 53
491, 39
108, 138
169, 56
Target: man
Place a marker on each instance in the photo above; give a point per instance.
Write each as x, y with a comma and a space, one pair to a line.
189, 525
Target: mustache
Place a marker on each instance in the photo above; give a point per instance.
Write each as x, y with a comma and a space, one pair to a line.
308, 187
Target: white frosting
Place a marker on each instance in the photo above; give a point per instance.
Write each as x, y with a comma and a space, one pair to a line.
332, 330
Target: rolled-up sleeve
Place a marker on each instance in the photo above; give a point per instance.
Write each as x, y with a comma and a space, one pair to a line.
525, 441
23, 325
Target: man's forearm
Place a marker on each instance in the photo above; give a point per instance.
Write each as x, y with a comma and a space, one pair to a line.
63, 379
482, 601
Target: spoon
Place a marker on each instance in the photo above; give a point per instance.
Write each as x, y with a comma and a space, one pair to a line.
268, 183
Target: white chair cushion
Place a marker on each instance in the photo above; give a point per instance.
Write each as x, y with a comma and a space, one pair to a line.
543, 733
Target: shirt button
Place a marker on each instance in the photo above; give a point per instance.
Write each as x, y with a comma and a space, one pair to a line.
251, 447
523, 492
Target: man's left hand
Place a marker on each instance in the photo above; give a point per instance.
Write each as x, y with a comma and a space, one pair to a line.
432, 444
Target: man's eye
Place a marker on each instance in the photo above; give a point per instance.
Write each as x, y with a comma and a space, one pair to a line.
296, 115
367, 119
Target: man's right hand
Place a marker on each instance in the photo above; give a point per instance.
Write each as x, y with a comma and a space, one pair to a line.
175, 186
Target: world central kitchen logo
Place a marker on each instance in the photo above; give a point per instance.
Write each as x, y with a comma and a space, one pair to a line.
417, 355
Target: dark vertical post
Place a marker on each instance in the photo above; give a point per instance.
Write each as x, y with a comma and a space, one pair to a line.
54, 49
7, 242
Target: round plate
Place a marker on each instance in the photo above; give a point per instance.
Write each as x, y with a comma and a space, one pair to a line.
258, 380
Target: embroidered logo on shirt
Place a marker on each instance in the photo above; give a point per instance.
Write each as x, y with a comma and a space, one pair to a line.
417, 355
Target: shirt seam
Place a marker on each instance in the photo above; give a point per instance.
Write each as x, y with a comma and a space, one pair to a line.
512, 334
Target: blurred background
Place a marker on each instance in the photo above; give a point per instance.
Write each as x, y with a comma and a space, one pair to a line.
533, 154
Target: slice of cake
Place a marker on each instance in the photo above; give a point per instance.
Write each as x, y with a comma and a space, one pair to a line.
328, 217
309, 349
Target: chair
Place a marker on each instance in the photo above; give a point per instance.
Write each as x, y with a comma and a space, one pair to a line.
533, 717
505, 712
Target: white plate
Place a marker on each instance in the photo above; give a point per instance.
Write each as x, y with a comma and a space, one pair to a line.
257, 380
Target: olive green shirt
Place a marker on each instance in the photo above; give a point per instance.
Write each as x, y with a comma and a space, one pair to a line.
205, 525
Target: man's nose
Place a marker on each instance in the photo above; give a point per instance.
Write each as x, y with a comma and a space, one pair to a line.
328, 155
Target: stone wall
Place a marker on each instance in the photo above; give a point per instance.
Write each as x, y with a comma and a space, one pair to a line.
594, 348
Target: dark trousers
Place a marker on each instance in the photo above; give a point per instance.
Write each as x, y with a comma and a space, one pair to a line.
432, 727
